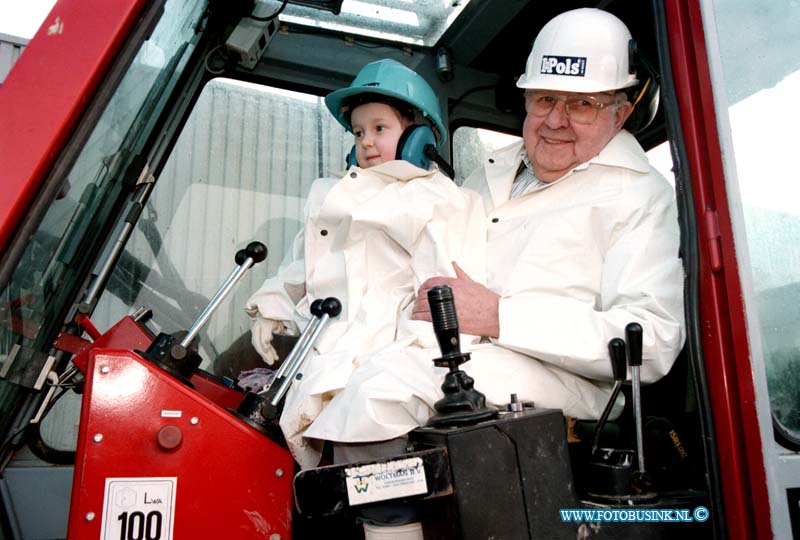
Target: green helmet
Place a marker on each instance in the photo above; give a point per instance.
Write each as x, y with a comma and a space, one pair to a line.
395, 81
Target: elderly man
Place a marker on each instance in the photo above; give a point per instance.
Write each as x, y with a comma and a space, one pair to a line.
582, 232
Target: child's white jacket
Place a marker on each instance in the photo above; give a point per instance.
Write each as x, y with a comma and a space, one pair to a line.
371, 238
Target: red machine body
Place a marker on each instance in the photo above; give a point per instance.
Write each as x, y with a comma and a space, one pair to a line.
144, 439
137, 422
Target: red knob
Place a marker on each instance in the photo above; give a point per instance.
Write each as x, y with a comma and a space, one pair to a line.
169, 438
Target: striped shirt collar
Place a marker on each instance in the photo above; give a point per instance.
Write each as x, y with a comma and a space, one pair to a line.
526, 181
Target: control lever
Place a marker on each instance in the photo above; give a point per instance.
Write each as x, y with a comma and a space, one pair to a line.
618, 475
300, 345
330, 307
179, 358
255, 252
461, 404
262, 409
633, 337
616, 351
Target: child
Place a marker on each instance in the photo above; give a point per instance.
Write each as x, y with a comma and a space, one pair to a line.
370, 239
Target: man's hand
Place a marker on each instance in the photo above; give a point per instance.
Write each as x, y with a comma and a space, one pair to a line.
476, 306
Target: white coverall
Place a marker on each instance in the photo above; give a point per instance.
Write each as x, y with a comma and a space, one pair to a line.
574, 263
370, 239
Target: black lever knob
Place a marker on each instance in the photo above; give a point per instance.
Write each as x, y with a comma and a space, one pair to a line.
256, 251
241, 256
316, 308
633, 336
331, 306
616, 350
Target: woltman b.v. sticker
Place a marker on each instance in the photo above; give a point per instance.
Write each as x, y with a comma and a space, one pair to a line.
384, 481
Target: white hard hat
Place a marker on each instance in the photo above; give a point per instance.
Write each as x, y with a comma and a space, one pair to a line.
583, 50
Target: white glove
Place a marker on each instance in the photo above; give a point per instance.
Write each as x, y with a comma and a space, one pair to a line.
262, 331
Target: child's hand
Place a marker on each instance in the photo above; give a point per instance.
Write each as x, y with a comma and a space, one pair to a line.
477, 307
262, 339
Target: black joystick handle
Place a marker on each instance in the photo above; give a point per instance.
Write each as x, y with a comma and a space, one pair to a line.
445, 326
633, 337
462, 403
616, 351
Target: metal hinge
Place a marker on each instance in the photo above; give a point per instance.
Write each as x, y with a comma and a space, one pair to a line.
713, 239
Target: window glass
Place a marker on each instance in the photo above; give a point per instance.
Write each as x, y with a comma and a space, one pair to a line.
48, 275
472, 145
760, 56
240, 171
661, 160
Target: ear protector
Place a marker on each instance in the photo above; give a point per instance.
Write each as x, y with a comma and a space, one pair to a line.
410, 147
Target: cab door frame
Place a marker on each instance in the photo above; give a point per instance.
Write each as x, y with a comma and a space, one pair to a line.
722, 323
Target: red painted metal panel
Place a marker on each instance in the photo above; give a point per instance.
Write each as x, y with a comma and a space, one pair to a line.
47, 91
126, 334
726, 351
139, 423
225, 397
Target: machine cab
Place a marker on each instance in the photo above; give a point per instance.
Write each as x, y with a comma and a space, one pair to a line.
144, 144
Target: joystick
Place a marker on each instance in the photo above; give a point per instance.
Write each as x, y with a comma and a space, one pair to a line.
462, 403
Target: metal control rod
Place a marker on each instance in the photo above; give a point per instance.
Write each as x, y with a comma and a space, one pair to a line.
331, 307
633, 337
302, 341
255, 252
616, 351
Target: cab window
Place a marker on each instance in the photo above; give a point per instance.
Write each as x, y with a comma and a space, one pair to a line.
240, 171
53, 264
471, 146
759, 46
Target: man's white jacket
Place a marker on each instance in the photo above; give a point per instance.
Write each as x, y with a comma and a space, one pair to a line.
371, 238
574, 263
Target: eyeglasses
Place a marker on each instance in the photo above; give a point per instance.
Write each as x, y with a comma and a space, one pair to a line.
579, 108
